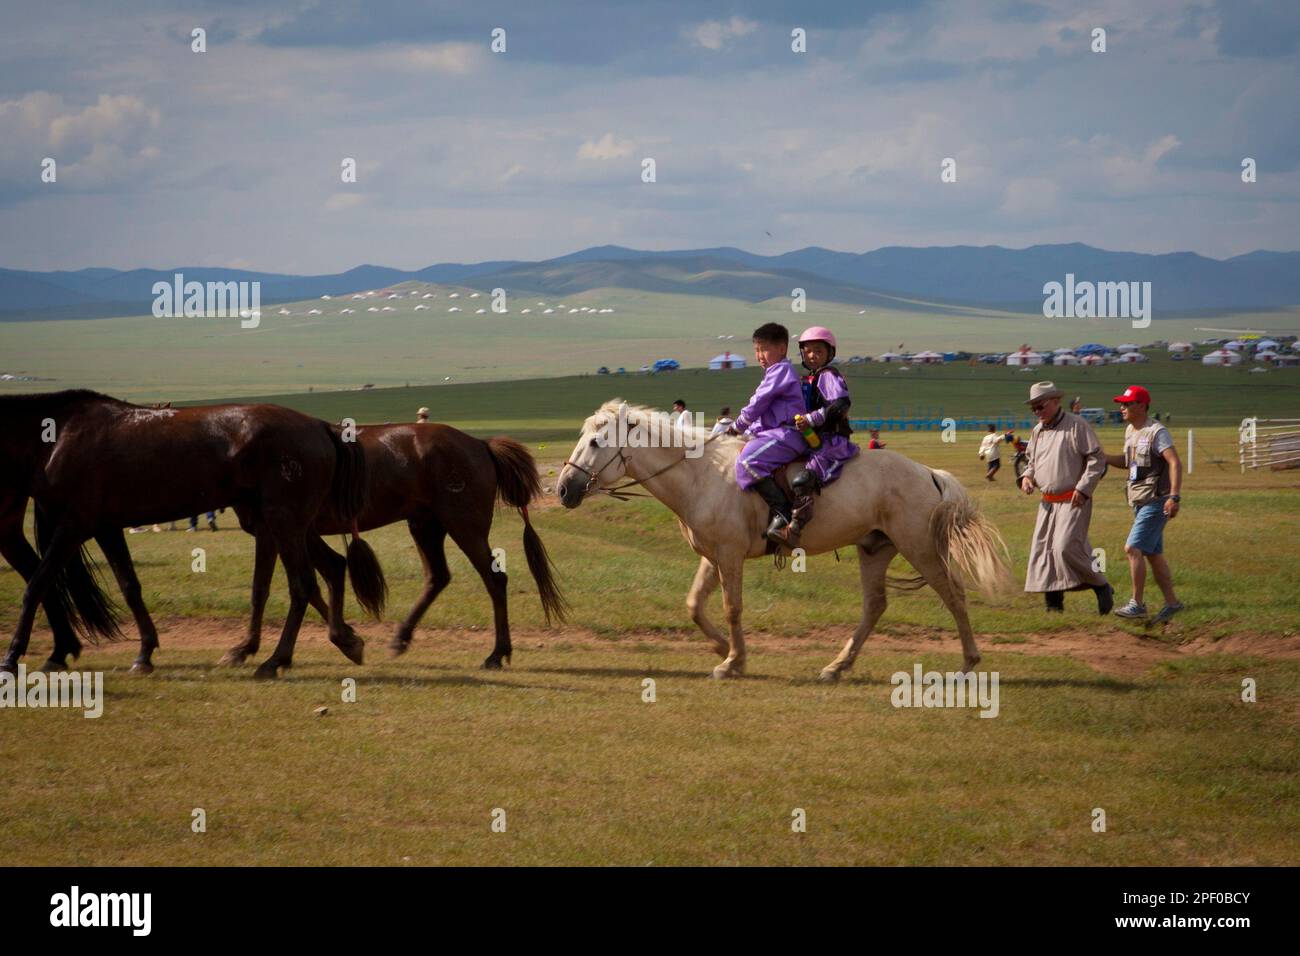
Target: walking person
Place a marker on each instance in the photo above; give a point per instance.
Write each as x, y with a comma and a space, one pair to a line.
1155, 479
724, 421
1065, 462
989, 452
681, 416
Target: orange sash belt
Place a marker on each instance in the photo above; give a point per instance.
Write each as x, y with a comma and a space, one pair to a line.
1059, 497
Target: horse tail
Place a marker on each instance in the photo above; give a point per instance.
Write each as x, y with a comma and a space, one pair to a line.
368, 582
348, 492
518, 483
348, 487
972, 549
77, 591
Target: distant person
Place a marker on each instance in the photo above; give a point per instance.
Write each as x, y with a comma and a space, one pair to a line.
681, 417
724, 421
1065, 462
1155, 478
1076, 405
991, 453
212, 522
875, 439
422, 416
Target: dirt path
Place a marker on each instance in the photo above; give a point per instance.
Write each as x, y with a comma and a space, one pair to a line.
1119, 653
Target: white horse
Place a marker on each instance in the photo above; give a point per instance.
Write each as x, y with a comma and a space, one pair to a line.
883, 503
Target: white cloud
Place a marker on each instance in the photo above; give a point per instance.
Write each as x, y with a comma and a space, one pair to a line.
605, 148
714, 34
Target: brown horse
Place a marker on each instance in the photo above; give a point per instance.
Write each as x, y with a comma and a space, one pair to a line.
94, 464
441, 482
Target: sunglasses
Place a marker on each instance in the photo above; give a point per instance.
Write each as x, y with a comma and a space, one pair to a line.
1038, 407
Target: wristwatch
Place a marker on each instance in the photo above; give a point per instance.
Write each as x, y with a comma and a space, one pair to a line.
1176, 498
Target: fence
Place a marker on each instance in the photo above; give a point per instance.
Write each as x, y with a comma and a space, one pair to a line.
926, 423
1269, 443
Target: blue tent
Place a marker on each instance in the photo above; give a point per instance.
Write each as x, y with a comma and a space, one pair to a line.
1091, 349
666, 365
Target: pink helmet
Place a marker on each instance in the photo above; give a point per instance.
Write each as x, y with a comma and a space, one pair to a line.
818, 334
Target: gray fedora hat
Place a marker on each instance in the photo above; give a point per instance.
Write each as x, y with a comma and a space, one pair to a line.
1041, 390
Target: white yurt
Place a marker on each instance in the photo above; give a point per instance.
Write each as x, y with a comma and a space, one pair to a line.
726, 360
1265, 355
1129, 348
1066, 358
890, 357
928, 358
1221, 357
1093, 359
1180, 347
1234, 345
1027, 358
1266, 344
1128, 358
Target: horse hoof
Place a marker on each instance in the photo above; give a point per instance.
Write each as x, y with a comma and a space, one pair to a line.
398, 648
829, 676
9, 667
492, 664
970, 664
354, 650
722, 673
142, 667
267, 671
52, 666
233, 658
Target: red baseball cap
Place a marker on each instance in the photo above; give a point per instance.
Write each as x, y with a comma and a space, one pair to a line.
1134, 393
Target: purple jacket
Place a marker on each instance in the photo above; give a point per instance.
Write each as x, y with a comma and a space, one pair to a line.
831, 387
776, 401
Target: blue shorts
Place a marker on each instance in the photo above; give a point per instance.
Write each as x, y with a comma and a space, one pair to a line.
1148, 534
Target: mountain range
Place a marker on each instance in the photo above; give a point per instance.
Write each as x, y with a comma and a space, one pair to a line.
929, 279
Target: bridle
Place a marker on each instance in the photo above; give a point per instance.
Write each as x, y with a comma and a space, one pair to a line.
620, 492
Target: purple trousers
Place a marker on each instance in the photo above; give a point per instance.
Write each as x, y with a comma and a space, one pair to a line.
826, 461
767, 451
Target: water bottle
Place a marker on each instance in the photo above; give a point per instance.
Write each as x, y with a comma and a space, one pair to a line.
809, 433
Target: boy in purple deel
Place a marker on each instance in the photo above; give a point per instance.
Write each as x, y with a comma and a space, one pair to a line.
769, 421
826, 399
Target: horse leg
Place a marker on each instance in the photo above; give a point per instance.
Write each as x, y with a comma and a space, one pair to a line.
22, 557
302, 587
113, 543
872, 569
430, 540
263, 570
697, 598
476, 548
333, 567
730, 569
63, 545
932, 568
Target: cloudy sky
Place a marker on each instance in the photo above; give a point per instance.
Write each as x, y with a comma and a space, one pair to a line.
232, 157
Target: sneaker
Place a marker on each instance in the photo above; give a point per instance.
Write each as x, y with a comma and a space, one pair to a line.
1132, 610
1167, 612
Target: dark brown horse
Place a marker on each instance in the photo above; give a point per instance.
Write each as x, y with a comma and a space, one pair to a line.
94, 464
441, 482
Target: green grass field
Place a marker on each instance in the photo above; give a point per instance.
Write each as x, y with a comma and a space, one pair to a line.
1148, 727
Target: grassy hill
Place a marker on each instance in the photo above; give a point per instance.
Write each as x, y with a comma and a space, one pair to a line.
150, 359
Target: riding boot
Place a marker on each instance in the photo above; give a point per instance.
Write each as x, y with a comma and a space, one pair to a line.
1055, 601
778, 507
805, 485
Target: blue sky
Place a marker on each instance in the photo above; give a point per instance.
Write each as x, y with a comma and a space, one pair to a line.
232, 157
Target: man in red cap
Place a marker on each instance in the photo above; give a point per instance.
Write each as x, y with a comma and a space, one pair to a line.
1155, 478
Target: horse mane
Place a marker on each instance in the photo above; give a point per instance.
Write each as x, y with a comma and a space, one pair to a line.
45, 400
637, 413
